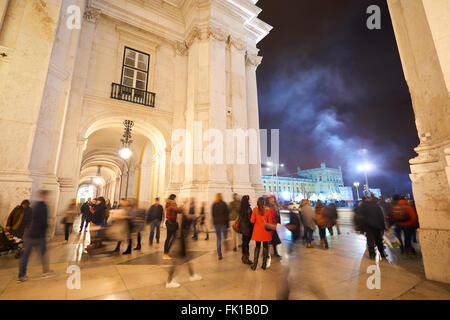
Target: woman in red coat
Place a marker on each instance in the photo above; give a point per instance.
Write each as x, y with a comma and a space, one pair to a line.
260, 216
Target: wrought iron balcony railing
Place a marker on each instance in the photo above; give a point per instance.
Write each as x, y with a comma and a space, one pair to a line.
121, 92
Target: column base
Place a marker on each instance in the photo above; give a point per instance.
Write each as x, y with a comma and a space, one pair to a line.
435, 244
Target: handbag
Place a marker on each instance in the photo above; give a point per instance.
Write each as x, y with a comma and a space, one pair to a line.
172, 226
236, 226
269, 226
391, 240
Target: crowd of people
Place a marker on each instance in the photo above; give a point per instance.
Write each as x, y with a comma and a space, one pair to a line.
236, 225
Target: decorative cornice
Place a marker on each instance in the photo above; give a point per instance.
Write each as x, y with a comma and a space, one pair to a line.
92, 14
209, 33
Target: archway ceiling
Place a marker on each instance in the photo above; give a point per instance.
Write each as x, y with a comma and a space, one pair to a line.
109, 139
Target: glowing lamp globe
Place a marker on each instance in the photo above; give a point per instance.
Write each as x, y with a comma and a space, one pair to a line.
125, 153
97, 180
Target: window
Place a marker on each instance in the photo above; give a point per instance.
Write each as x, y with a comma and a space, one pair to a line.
135, 70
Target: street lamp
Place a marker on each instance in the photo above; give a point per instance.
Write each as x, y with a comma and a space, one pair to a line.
365, 167
277, 165
126, 152
356, 184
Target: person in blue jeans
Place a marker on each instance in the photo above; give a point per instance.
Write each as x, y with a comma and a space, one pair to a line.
155, 216
308, 216
35, 236
221, 221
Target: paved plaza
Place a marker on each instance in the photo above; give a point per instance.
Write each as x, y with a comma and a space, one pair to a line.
337, 273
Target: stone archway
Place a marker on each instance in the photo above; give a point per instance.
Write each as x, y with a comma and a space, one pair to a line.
422, 31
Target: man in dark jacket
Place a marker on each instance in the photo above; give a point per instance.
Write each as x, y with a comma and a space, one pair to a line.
85, 214
373, 225
221, 221
35, 236
155, 216
18, 219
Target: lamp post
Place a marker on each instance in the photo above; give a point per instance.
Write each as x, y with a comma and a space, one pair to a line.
276, 165
356, 184
366, 167
126, 152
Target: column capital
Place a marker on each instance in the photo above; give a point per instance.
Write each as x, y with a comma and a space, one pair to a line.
91, 14
237, 43
252, 59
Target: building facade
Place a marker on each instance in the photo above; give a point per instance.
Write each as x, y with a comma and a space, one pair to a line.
71, 73
320, 183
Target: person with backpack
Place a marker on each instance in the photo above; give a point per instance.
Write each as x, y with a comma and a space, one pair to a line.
405, 219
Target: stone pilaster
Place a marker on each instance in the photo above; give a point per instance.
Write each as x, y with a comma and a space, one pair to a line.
22, 85
252, 62
418, 26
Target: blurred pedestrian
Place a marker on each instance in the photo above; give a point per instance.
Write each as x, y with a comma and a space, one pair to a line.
321, 221
121, 217
221, 221
308, 217
69, 216
155, 216
246, 228
234, 208
85, 214
181, 251
372, 223
35, 236
203, 225
275, 211
406, 221
193, 217
107, 210
262, 231
171, 224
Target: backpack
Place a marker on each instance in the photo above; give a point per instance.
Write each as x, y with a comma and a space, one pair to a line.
399, 213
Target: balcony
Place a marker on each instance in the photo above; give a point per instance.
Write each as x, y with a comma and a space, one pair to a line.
124, 93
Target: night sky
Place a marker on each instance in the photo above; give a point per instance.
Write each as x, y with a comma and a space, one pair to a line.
334, 87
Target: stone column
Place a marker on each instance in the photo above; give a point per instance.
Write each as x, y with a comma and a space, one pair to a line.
421, 29
27, 27
241, 171
252, 62
176, 170
3, 8
68, 166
